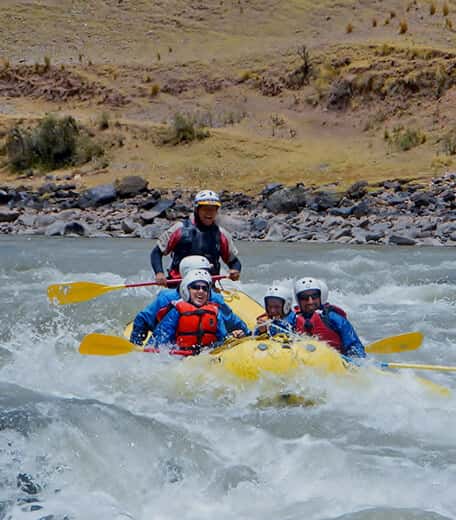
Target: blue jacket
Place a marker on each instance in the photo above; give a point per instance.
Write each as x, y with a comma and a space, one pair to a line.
165, 331
351, 344
275, 326
146, 320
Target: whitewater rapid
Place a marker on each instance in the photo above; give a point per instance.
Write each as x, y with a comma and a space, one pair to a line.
145, 437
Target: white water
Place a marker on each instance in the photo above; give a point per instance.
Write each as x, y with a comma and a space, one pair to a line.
145, 437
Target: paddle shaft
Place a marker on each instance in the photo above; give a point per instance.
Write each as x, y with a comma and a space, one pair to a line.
171, 281
439, 368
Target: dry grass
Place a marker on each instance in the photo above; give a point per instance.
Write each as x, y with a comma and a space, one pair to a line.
217, 55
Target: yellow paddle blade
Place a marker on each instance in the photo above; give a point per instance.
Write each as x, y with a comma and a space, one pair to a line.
244, 306
396, 344
75, 292
105, 345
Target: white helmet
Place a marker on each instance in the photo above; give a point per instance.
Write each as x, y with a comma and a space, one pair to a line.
197, 275
281, 292
309, 284
192, 262
206, 198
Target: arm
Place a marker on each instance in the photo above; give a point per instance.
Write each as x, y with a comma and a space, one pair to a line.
156, 260
351, 343
229, 252
165, 332
232, 321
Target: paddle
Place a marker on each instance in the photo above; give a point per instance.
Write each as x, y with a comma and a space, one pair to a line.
396, 344
76, 292
439, 368
105, 345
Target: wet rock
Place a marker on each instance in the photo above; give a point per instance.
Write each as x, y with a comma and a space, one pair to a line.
152, 230
27, 220
5, 196
130, 186
26, 484
401, 240
374, 237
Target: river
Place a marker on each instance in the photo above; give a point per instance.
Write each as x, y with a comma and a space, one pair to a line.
142, 437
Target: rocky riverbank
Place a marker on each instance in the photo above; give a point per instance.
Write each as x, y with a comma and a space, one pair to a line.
400, 212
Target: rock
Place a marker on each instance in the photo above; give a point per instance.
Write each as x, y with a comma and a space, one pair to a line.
269, 189
374, 237
130, 186
44, 220
158, 210
26, 484
5, 196
8, 216
421, 199
287, 199
362, 209
341, 212
357, 190
324, 200
98, 196
401, 240
27, 220
233, 224
275, 233
337, 234
258, 224
151, 231
129, 226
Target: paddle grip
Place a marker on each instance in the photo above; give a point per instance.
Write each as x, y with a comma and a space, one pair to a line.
173, 281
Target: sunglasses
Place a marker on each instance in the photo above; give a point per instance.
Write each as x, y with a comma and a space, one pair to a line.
306, 296
199, 287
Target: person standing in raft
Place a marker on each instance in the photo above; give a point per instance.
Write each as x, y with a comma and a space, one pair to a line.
147, 319
277, 303
316, 317
193, 321
197, 235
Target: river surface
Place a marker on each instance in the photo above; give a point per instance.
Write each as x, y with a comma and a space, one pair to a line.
143, 437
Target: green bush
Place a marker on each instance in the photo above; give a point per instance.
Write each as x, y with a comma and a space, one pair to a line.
404, 139
184, 129
54, 143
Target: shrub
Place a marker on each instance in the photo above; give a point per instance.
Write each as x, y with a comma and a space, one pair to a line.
103, 122
445, 9
404, 139
448, 24
449, 142
47, 63
349, 28
392, 14
54, 143
184, 129
432, 9
154, 90
374, 22
403, 27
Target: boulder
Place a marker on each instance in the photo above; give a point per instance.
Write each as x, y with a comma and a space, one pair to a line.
8, 215
357, 190
130, 186
287, 199
402, 240
98, 196
157, 211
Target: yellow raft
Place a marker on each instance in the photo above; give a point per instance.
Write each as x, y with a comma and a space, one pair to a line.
249, 358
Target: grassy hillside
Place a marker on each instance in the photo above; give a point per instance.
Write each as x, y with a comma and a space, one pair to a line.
289, 90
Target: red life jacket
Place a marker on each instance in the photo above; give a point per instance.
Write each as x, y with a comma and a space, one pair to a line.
318, 325
197, 326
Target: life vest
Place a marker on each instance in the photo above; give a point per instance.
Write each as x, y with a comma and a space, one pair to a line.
197, 326
318, 325
195, 241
